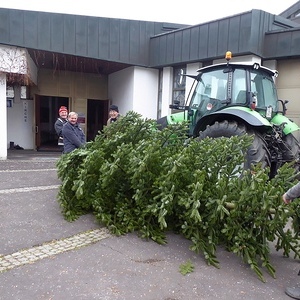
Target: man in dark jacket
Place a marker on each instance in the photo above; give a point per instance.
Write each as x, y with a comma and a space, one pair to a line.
58, 125
72, 134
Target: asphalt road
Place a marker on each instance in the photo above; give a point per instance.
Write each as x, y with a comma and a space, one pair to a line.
42, 256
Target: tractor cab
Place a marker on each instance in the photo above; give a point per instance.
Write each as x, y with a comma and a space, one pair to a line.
232, 85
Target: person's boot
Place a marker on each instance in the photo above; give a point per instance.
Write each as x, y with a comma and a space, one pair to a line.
293, 292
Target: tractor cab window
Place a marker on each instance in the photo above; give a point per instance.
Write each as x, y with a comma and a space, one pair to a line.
263, 86
239, 95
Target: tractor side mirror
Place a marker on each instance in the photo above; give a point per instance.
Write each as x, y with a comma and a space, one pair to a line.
284, 103
175, 104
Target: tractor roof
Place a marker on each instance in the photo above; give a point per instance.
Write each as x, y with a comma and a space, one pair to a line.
247, 65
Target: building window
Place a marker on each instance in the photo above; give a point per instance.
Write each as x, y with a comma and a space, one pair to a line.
179, 85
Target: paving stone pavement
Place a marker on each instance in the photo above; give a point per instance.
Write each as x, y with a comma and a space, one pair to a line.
49, 249
42, 256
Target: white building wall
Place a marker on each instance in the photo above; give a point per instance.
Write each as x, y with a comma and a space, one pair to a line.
167, 89
136, 89
120, 89
145, 92
20, 124
16, 121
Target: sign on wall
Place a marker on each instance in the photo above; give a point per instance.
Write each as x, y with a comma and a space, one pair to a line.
25, 111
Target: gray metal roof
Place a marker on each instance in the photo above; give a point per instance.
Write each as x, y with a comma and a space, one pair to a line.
282, 44
242, 34
112, 40
105, 45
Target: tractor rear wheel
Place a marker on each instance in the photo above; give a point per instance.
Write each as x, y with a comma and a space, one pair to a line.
293, 146
257, 152
293, 154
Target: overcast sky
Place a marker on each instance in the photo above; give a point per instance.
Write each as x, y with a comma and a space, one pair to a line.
185, 12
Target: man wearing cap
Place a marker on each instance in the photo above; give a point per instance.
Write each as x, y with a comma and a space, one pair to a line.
113, 114
58, 125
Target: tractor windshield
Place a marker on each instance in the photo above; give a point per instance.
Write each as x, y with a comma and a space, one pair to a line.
210, 92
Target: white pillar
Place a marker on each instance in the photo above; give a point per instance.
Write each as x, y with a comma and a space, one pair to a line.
167, 88
145, 91
3, 117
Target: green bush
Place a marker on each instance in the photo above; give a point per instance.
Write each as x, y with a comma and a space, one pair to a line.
136, 178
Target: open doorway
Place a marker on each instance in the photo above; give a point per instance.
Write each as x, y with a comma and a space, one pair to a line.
97, 112
46, 113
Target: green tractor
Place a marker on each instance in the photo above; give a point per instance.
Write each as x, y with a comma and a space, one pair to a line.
233, 99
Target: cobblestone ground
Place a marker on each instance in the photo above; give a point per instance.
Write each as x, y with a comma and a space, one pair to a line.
30, 167
46, 250
42, 256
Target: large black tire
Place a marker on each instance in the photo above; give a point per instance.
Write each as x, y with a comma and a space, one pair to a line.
257, 152
294, 148
293, 152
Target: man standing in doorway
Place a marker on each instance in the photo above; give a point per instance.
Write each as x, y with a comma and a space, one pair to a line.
58, 125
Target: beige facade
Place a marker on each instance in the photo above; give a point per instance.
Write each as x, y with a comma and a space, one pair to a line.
78, 87
288, 87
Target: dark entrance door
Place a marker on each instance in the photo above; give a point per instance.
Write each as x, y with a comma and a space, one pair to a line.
46, 112
97, 115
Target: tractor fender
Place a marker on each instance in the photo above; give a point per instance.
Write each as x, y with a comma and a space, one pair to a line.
289, 127
175, 118
242, 114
